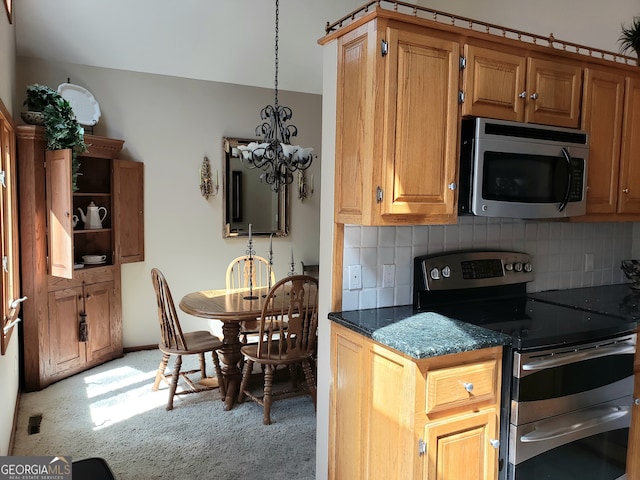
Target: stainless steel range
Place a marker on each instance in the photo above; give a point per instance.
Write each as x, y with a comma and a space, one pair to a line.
567, 377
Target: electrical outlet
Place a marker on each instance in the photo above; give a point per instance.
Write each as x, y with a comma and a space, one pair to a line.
355, 277
588, 262
388, 275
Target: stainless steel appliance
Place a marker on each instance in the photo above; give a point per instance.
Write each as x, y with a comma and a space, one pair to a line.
567, 377
518, 170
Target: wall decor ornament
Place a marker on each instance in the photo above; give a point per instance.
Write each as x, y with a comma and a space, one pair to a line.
208, 187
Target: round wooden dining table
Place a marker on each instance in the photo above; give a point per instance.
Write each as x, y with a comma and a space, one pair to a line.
231, 307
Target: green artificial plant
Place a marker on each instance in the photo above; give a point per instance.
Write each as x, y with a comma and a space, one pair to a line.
61, 127
630, 37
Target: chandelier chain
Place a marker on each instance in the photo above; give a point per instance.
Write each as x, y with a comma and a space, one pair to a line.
276, 48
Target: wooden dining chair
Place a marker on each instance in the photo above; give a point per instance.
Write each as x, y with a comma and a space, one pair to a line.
239, 271
174, 342
287, 336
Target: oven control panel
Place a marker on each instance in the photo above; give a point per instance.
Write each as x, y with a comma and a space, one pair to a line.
471, 269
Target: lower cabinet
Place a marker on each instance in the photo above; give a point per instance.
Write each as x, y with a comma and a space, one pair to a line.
81, 327
393, 416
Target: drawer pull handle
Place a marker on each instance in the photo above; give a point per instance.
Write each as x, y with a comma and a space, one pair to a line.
468, 386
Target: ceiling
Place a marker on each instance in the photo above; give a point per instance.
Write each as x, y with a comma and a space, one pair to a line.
218, 40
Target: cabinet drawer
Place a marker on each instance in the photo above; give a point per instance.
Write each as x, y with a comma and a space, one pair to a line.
461, 386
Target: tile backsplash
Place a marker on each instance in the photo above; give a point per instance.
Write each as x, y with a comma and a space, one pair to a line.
559, 251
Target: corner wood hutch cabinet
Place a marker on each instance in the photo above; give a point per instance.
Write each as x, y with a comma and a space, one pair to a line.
391, 416
396, 128
72, 319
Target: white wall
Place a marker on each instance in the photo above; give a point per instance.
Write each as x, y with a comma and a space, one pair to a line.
170, 124
9, 377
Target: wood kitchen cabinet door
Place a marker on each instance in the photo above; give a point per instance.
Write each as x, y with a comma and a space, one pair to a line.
553, 92
493, 83
602, 118
460, 447
629, 199
421, 125
104, 329
66, 352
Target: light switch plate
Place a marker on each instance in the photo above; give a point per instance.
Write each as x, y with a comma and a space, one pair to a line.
355, 277
388, 276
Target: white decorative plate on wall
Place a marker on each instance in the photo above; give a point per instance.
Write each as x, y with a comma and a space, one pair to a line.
82, 102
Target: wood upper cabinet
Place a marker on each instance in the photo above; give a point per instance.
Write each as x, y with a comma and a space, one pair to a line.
611, 115
397, 125
499, 82
391, 416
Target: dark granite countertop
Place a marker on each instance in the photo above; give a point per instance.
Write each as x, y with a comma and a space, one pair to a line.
429, 334
419, 335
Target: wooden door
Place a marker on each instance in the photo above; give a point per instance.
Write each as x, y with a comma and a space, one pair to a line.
421, 126
493, 83
59, 205
460, 447
553, 90
602, 117
629, 191
66, 352
128, 205
101, 321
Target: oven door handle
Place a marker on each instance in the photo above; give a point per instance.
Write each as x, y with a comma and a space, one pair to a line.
573, 357
574, 422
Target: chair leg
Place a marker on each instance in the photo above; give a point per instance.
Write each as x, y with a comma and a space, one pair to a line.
174, 381
248, 367
203, 366
311, 380
266, 399
161, 369
222, 386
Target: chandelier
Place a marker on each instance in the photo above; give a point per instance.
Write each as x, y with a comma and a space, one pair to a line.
276, 156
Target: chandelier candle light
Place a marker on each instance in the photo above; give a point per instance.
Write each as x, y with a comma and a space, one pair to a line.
276, 156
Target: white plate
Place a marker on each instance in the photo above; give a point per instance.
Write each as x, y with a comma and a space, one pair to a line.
82, 102
95, 263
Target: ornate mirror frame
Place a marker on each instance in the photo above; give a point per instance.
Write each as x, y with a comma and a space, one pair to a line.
244, 193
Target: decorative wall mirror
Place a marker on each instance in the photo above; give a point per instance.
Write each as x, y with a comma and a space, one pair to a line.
249, 201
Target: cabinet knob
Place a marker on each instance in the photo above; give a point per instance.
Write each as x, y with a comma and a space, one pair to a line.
636, 401
523, 94
494, 443
625, 190
453, 186
534, 96
468, 386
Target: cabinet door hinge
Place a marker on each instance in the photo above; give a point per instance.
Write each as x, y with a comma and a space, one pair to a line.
463, 62
384, 48
422, 447
460, 96
379, 194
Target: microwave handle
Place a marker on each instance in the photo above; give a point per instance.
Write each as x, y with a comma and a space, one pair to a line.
567, 194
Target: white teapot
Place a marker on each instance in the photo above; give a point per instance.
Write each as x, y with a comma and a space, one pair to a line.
94, 217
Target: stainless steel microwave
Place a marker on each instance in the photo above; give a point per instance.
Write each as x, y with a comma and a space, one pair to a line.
521, 170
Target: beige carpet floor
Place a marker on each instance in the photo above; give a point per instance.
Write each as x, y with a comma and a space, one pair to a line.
110, 411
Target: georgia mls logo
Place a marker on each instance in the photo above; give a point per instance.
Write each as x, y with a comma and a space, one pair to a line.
35, 468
